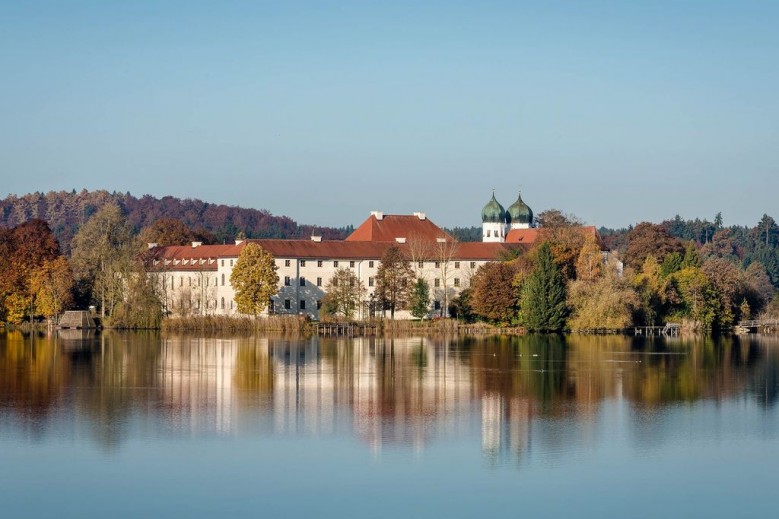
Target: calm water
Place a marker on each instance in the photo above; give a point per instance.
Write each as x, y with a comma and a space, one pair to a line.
139, 425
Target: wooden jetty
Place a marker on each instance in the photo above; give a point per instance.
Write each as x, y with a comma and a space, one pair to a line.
757, 326
77, 319
669, 330
345, 329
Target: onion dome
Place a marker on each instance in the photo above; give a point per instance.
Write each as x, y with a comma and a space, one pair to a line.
519, 212
493, 212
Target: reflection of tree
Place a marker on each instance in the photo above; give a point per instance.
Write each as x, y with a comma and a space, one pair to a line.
253, 368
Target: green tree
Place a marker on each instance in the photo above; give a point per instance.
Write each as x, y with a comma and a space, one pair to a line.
393, 280
420, 299
344, 292
543, 302
699, 299
254, 279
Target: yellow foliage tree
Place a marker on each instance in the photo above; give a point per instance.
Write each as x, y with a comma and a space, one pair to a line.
607, 302
589, 264
254, 279
50, 285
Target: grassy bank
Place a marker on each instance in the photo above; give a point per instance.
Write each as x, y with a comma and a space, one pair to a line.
215, 323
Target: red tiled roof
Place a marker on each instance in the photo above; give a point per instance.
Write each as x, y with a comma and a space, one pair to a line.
522, 236
393, 226
309, 249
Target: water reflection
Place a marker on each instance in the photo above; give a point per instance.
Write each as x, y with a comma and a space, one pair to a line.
409, 392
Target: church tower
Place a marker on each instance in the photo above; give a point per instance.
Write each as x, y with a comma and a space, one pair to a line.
493, 222
519, 215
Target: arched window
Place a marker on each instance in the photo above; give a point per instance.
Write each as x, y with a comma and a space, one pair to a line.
223, 303
223, 284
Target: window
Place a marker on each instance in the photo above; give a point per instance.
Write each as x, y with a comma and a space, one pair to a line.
319, 263
370, 281
287, 281
286, 263
223, 280
473, 264
287, 304
302, 281
351, 264
206, 281
172, 282
437, 282
457, 282
231, 263
370, 264
302, 304
437, 305
335, 264
319, 282
335, 281
223, 303
181, 281
318, 304
190, 281
438, 264
223, 263
421, 264
351, 282
488, 235
302, 263
271, 305
457, 264
231, 305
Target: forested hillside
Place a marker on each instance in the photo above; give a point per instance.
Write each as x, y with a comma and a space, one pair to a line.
66, 212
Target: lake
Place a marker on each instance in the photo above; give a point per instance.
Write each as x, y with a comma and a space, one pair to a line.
149, 425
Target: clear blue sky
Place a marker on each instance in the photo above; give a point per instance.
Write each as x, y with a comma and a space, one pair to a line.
616, 112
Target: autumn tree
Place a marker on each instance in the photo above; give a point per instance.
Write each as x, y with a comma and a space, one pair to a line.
168, 231
104, 255
566, 238
607, 302
25, 250
647, 238
344, 293
51, 286
589, 264
543, 300
494, 295
420, 299
254, 279
393, 280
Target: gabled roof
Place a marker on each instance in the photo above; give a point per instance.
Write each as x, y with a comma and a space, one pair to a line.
390, 227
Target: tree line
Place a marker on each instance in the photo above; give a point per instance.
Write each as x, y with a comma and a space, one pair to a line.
66, 211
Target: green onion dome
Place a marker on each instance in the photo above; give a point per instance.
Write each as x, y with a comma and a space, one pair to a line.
520, 212
493, 212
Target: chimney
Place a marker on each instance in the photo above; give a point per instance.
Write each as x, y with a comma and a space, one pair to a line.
196, 244
378, 214
316, 238
151, 245
421, 216
238, 242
